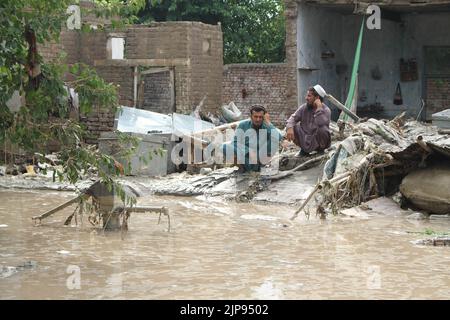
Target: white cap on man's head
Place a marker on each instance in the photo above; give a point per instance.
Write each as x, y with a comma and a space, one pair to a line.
320, 90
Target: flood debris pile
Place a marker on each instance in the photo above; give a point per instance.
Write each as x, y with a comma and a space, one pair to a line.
380, 157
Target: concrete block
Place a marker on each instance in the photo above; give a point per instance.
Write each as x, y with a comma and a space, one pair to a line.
441, 119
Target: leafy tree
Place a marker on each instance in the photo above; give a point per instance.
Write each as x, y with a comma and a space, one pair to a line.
253, 29
44, 115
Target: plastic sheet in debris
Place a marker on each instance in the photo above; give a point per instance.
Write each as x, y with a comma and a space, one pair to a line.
345, 156
183, 124
145, 122
142, 121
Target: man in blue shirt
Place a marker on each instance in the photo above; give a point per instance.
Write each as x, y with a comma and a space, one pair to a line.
255, 141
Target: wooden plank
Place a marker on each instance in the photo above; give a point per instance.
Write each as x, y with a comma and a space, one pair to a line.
143, 62
341, 107
148, 209
58, 208
218, 129
306, 164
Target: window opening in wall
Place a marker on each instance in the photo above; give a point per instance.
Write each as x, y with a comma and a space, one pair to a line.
116, 46
206, 47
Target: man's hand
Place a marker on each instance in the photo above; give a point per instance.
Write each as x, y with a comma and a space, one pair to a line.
318, 104
284, 144
290, 134
267, 118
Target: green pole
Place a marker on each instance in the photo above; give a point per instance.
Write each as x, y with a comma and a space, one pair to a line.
351, 91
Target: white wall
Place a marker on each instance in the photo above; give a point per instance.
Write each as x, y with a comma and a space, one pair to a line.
382, 49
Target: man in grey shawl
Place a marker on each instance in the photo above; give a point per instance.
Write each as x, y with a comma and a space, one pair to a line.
309, 127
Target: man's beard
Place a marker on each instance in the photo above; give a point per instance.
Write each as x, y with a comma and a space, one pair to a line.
310, 106
256, 126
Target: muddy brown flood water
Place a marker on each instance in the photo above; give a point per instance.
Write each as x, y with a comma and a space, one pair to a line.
216, 250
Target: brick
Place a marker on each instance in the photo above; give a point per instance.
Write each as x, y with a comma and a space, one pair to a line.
263, 84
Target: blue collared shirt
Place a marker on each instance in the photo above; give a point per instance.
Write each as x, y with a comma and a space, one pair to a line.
265, 140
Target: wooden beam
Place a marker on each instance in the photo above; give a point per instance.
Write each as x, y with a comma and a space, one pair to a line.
218, 129
59, 208
304, 165
341, 107
143, 62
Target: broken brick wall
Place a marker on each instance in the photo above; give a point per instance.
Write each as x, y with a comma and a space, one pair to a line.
71, 41
193, 50
206, 67
102, 120
77, 46
162, 45
266, 84
69, 45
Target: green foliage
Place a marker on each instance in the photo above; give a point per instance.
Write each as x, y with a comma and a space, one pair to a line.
253, 30
119, 12
92, 89
15, 17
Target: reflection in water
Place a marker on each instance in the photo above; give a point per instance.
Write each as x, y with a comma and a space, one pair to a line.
216, 250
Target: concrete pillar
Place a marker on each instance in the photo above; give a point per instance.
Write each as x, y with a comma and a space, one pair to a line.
291, 52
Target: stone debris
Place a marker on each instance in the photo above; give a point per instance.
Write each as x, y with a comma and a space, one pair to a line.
417, 216
428, 188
